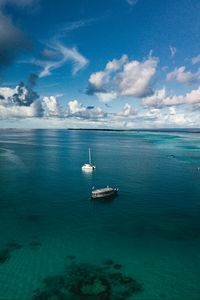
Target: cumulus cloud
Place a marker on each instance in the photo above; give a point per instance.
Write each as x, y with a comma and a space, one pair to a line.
156, 99
76, 109
51, 107
160, 99
6, 92
15, 111
98, 81
183, 76
123, 78
135, 78
59, 56
127, 110
21, 101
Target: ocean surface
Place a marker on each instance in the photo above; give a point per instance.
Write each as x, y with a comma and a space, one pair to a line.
150, 232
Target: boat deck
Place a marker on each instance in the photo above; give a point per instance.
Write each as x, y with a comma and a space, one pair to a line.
103, 190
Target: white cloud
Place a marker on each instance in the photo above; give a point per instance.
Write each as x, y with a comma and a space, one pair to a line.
71, 26
6, 92
160, 99
64, 54
14, 111
166, 117
135, 78
196, 59
76, 109
99, 79
106, 97
127, 110
78, 60
51, 106
123, 78
173, 51
156, 99
169, 117
20, 101
78, 116
183, 76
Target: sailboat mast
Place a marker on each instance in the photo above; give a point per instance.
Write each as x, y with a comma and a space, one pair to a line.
89, 157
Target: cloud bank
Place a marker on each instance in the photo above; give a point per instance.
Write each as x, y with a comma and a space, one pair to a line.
23, 102
161, 99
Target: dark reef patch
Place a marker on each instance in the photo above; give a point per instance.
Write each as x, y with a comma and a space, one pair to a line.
14, 246
34, 244
5, 253
82, 281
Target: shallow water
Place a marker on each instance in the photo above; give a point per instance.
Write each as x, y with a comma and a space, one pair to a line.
152, 228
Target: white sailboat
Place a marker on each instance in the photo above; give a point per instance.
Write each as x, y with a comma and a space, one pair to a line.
89, 166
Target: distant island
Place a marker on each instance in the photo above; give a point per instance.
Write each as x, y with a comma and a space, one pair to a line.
186, 130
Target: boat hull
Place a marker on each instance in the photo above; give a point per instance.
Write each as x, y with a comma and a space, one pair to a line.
88, 168
105, 195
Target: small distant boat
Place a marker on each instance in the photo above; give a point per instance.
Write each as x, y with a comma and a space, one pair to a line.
89, 166
107, 192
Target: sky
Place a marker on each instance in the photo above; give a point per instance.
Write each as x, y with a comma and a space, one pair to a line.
120, 64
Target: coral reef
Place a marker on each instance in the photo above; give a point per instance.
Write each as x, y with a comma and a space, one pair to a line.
82, 281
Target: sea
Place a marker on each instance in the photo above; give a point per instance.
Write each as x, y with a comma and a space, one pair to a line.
51, 231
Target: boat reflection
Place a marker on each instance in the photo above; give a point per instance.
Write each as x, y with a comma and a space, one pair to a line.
87, 171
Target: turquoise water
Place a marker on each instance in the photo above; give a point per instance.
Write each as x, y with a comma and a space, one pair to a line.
152, 228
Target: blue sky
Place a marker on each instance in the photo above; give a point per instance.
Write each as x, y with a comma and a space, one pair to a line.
100, 64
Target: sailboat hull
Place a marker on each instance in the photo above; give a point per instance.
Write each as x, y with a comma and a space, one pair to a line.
88, 166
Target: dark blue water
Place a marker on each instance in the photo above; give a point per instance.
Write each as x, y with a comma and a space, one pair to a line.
152, 228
